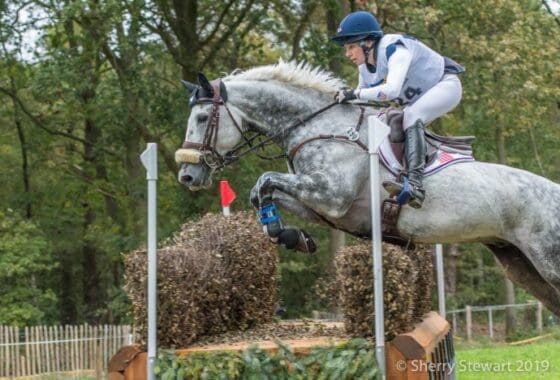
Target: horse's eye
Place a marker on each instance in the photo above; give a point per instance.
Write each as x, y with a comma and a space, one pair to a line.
202, 118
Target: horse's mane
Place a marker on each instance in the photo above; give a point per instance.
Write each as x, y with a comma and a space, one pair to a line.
297, 74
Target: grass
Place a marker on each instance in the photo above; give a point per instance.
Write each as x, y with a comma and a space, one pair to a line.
539, 360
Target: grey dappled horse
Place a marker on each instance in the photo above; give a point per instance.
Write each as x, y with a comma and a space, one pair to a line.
513, 212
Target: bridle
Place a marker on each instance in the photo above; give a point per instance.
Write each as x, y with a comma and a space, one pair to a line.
194, 153
206, 150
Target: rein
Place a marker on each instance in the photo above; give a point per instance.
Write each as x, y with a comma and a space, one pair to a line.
232, 157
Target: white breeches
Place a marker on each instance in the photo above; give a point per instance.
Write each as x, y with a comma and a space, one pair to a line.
437, 101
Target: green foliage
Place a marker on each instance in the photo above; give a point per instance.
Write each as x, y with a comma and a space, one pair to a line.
352, 360
299, 272
25, 261
479, 281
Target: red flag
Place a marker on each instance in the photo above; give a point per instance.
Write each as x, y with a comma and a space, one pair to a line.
226, 193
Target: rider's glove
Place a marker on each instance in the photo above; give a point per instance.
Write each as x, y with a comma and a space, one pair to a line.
343, 96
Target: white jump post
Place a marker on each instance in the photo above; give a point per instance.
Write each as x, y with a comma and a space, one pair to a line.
440, 281
149, 160
376, 133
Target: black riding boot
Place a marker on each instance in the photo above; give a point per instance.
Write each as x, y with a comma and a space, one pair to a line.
415, 154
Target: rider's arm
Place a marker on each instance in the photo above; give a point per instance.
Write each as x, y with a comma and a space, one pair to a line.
361, 81
398, 65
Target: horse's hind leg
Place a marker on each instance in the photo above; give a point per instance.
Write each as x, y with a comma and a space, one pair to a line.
521, 271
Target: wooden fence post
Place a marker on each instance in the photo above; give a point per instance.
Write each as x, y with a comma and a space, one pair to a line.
539, 317
455, 323
15, 332
490, 323
469, 322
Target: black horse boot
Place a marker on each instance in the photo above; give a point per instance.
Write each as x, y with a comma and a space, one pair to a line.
290, 237
415, 154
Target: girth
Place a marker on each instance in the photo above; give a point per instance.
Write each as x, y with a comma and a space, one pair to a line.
390, 211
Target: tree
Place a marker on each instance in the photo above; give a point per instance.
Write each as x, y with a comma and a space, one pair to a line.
25, 262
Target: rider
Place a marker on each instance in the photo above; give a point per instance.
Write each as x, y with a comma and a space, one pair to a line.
401, 68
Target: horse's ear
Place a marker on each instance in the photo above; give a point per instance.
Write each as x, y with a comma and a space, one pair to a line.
205, 84
190, 86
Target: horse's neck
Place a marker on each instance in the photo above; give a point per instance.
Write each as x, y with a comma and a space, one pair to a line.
271, 106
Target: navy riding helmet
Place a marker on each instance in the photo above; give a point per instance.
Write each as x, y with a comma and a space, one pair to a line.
357, 26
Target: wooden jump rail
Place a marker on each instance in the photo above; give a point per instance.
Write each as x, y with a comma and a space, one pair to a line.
410, 356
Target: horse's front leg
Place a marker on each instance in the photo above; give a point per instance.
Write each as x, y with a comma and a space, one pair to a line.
292, 205
327, 195
310, 192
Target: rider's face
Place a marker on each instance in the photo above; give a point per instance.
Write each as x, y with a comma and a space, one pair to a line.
355, 52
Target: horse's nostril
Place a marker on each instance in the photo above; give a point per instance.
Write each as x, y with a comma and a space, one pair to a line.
186, 179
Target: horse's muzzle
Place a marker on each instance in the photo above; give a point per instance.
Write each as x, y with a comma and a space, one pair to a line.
196, 177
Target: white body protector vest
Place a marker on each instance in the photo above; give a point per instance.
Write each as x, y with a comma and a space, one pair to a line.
426, 68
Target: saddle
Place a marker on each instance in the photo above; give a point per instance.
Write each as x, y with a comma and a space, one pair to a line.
434, 143
441, 151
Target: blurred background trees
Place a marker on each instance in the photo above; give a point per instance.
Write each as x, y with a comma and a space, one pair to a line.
85, 84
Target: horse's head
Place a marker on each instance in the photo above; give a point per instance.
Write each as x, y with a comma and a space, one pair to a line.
213, 131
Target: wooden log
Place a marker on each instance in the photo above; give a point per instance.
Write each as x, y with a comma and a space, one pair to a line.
424, 338
126, 363
298, 346
530, 340
407, 353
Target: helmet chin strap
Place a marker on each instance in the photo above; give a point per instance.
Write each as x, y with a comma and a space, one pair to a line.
372, 68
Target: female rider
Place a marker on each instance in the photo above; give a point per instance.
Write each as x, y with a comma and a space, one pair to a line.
400, 68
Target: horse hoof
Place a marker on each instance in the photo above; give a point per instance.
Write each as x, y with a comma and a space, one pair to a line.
306, 243
297, 240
